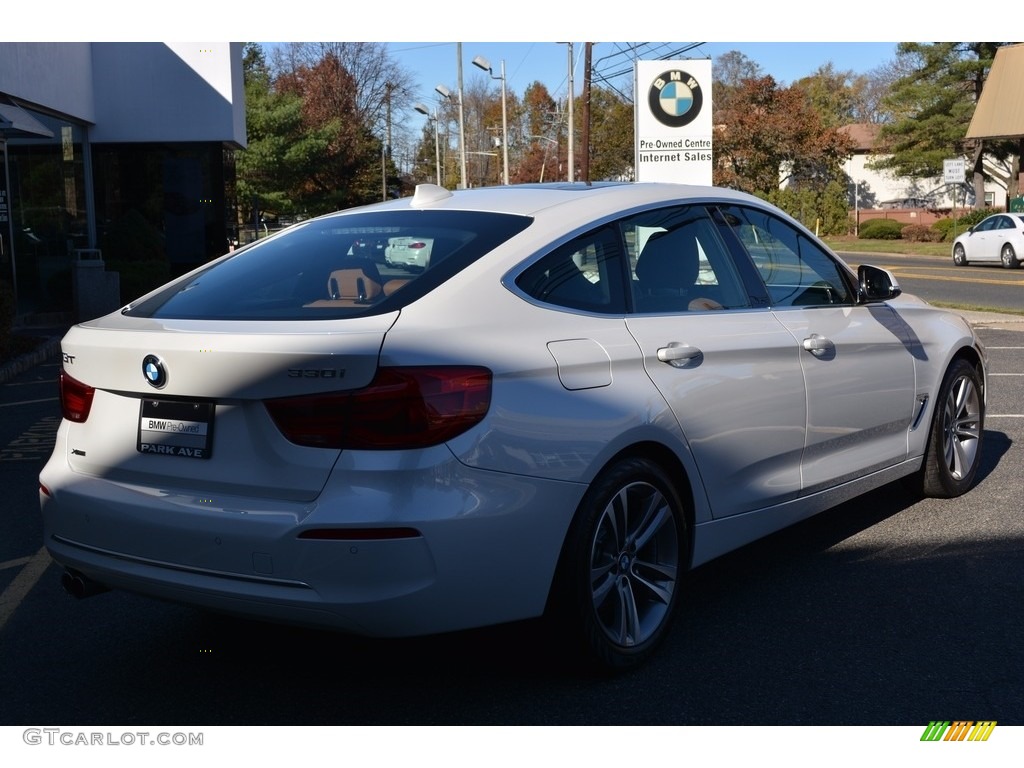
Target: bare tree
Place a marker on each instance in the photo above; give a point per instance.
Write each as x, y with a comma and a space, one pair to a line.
381, 84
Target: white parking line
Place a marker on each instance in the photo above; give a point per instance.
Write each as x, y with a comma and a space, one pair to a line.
22, 584
14, 563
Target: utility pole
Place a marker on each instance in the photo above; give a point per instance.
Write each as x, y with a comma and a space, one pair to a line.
572, 95
462, 122
385, 154
588, 50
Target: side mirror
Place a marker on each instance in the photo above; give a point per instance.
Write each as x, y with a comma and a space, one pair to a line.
876, 284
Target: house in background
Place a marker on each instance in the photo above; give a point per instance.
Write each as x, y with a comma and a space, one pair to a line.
878, 194
113, 156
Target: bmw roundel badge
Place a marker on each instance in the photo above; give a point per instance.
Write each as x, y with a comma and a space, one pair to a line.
675, 98
154, 371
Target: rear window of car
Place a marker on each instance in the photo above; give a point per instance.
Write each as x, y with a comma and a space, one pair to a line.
336, 266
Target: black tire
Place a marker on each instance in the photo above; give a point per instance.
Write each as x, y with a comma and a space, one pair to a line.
958, 427
959, 255
1008, 256
617, 589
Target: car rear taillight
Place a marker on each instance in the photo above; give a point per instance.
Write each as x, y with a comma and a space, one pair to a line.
401, 408
417, 245
75, 398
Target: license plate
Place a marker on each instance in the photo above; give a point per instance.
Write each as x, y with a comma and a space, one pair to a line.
176, 428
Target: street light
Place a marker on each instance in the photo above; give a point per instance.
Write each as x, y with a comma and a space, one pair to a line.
422, 109
445, 93
485, 65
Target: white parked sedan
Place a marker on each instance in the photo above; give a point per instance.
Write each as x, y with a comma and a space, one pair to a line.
996, 239
410, 252
590, 390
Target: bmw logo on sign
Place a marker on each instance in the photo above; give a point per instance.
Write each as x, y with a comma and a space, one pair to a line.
675, 98
154, 371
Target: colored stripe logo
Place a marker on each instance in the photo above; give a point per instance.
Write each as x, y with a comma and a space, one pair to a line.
958, 730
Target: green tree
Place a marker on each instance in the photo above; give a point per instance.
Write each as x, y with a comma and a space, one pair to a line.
931, 106
266, 176
834, 95
823, 209
611, 135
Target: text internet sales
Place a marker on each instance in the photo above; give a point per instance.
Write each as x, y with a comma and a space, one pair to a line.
674, 157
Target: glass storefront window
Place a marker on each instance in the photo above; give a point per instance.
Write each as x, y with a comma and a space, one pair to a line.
46, 205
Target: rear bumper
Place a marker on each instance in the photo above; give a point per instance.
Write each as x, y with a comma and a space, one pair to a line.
473, 547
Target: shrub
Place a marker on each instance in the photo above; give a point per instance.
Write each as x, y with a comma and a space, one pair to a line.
950, 228
880, 229
944, 229
968, 219
920, 233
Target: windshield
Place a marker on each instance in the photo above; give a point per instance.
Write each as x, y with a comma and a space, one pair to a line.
336, 266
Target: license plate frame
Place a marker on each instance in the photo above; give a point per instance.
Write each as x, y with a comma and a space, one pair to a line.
182, 428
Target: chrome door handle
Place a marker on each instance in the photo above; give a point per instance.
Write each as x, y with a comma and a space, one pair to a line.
678, 355
819, 345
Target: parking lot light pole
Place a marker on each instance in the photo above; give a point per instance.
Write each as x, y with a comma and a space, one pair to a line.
485, 65
422, 109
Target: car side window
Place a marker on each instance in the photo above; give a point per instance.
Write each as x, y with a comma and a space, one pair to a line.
795, 270
678, 263
583, 274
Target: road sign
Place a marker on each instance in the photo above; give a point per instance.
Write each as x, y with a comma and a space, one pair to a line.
954, 171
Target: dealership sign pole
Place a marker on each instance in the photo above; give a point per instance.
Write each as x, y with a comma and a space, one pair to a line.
672, 116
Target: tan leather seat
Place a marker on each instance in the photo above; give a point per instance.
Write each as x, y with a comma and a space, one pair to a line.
357, 282
353, 283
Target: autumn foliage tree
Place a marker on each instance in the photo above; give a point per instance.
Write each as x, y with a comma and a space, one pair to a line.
769, 138
339, 155
538, 157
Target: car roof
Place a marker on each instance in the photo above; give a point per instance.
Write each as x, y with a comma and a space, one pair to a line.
532, 199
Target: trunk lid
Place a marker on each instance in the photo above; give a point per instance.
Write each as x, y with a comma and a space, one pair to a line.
179, 403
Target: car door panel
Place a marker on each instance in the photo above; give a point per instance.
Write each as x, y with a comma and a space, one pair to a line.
859, 376
737, 390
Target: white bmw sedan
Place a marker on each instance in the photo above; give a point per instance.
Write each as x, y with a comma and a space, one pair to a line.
590, 390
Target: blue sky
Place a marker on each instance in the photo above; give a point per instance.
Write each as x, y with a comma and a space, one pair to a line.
436, 63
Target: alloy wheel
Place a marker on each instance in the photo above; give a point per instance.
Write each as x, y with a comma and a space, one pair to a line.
961, 427
635, 561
